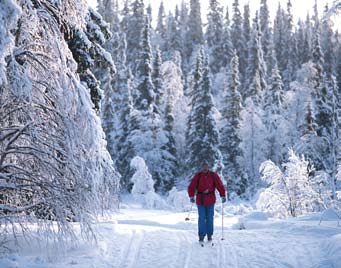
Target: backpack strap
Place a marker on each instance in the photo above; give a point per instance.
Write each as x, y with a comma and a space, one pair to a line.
213, 178
199, 175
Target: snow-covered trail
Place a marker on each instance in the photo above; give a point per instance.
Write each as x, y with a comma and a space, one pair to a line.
151, 238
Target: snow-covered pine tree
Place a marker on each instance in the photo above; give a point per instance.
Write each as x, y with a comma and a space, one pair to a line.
290, 50
229, 134
227, 42
169, 158
273, 117
149, 12
194, 36
270, 60
202, 134
253, 130
316, 19
144, 95
279, 38
160, 29
125, 15
238, 38
87, 49
327, 45
116, 110
325, 100
256, 70
303, 44
103, 65
183, 29
146, 136
135, 25
109, 9
156, 76
264, 18
173, 37
309, 144
214, 36
246, 31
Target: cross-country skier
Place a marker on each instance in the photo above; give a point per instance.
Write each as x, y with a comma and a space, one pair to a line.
203, 184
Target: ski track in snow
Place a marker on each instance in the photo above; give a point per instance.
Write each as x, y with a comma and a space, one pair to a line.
163, 239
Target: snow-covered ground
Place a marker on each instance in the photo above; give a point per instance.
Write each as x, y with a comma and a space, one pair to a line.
158, 238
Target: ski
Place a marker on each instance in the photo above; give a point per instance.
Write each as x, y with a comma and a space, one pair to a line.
201, 243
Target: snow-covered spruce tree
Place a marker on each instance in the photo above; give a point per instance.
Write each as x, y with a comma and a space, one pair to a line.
238, 38
229, 134
325, 100
290, 192
125, 14
95, 65
338, 79
183, 29
264, 21
156, 76
256, 70
270, 60
327, 45
170, 162
227, 42
214, 36
53, 162
273, 117
116, 110
290, 49
146, 136
202, 133
135, 25
303, 47
109, 10
279, 38
173, 37
194, 35
246, 31
160, 29
310, 144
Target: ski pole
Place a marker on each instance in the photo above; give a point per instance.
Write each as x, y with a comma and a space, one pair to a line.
187, 218
222, 221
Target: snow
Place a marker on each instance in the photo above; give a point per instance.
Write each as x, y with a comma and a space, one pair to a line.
138, 237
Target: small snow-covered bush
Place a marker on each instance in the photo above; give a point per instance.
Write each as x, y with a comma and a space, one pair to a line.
143, 188
179, 200
291, 192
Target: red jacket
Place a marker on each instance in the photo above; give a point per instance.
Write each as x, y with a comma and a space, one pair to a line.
208, 182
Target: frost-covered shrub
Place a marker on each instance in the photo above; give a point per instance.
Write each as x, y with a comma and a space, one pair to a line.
178, 200
143, 188
290, 192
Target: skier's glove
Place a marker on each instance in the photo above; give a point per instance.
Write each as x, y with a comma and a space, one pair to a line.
192, 199
223, 199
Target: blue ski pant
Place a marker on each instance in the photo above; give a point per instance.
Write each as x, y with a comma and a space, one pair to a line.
205, 220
